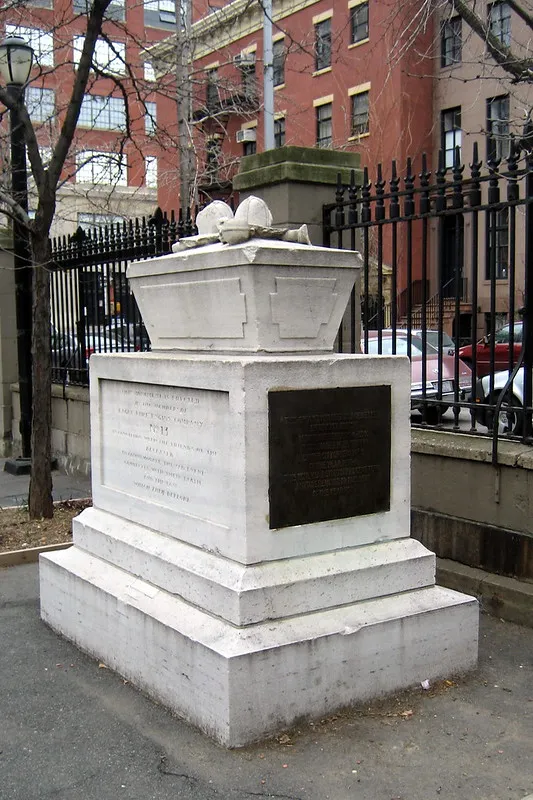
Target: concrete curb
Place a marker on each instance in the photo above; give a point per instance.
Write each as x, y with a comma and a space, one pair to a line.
506, 598
13, 558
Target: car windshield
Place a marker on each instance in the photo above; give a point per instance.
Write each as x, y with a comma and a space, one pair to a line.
503, 336
432, 337
387, 348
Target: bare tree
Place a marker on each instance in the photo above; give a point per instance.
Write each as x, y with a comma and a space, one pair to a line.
49, 172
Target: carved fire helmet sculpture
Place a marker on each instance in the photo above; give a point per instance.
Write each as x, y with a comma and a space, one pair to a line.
216, 223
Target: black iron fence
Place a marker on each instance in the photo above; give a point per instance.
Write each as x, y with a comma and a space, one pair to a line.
92, 307
447, 279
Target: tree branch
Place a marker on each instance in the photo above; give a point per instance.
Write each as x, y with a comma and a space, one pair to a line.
520, 10
520, 68
68, 129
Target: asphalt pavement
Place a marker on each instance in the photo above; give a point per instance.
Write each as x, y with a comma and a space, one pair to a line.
70, 729
14, 490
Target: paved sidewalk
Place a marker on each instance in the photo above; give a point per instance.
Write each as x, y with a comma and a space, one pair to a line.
72, 730
14, 488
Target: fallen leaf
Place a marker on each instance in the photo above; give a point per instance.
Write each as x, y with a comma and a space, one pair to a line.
284, 739
406, 714
101, 665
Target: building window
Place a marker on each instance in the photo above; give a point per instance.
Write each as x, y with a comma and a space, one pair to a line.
41, 41
451, 134
498, 128
46, 154
150, 119
499, 244
359, 23
323, 44
104, 113
211, 89
99, 168
279, 132
360, 113
450, 42
115, 10
87, 221
324, 133
248, 82
108, 57
249, 148
149, 72
500, 22
212, 159
278, 59
150, 165
40, 103
159, 13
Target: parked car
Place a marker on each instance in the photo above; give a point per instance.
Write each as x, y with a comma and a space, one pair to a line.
133, 334
511, 410
65, 353
432, 338
98, 341
502, 340
432, 372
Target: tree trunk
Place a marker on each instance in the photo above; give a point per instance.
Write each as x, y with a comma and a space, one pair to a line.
40, 497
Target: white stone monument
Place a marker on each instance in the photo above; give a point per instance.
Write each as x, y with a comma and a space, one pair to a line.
247, 560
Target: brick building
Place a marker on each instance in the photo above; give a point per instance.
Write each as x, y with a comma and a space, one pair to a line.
109, 175
388, 80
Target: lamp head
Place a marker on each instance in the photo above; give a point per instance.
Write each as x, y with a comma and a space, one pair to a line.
16, 60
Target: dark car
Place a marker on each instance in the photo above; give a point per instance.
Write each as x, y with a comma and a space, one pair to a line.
502, 343
66, 354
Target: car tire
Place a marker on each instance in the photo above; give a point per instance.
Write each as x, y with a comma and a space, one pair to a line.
511, 414
433, 414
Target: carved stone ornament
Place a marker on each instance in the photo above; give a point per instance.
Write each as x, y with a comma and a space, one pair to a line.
253, 219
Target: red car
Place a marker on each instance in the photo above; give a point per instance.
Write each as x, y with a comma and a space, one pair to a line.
501, 350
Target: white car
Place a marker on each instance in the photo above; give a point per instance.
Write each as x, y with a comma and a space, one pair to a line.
511, 410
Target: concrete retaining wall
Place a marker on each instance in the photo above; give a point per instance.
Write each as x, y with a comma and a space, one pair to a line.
466, 509
71, 440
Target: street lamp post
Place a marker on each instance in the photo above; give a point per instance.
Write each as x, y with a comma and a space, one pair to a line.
16, 59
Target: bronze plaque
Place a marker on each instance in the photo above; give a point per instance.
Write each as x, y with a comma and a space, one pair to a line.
329, 454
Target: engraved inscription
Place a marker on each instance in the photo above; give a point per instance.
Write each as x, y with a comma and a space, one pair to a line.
329, 454
167, 445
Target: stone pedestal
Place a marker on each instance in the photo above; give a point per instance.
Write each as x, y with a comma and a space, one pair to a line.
247, 561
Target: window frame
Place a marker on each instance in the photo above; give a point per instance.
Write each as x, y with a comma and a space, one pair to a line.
34, 36
102, 44
355, 24
323, 44
498, 142
92, 158
46, 110
278, 62
455, 130
98, 220
151, 171
150, 118
101, 118
355, 98
500, 25
279, 132
211, 88
453, 53
324, 141
115, 11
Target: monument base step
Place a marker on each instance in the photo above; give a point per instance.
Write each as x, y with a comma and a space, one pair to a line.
247, 594
240, 684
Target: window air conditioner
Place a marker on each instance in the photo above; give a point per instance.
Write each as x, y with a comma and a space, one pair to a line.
246, 135
243, 59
